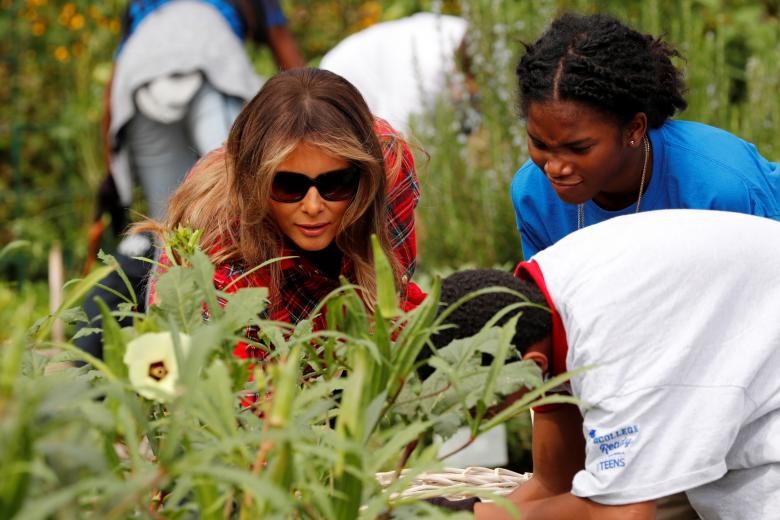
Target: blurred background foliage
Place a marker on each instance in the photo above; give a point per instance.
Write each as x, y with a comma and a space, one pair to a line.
55, 60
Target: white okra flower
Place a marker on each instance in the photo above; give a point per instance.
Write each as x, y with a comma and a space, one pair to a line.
152, 366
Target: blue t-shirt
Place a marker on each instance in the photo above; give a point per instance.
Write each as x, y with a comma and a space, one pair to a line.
694, 166
137, 10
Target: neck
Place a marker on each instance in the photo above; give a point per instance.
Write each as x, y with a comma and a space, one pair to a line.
634, 186
327, 260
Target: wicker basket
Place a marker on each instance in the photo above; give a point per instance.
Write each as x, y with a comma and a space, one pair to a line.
499, 481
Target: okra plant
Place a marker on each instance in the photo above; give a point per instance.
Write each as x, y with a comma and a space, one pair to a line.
171, 425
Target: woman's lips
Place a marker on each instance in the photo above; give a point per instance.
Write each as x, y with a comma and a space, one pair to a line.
564, 184
312, 230
568, 191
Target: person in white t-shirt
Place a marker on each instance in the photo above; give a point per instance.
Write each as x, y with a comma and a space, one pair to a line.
400, 66
674, 315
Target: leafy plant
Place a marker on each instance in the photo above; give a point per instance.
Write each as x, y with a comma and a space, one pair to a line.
171, 425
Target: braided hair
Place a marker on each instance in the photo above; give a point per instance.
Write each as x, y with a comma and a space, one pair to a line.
599, 61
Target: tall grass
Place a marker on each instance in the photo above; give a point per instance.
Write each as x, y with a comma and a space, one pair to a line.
732, 70
165, 427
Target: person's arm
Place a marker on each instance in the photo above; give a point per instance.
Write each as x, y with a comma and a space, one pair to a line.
558, 454
284, 48
567, 506
266, 24
105, 121
558, 447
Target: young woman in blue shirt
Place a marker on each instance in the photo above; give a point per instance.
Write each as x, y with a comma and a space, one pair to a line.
598, 98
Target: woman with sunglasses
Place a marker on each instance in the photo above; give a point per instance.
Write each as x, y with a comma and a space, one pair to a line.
308, 173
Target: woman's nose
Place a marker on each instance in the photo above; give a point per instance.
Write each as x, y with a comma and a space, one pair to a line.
312, 202
555, 168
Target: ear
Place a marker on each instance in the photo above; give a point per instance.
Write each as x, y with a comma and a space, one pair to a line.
635, 130
538, 358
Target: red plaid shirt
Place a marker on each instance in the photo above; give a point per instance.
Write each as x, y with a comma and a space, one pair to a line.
303, 285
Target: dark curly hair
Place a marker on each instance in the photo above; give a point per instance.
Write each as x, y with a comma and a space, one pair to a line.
601, 62
534, 324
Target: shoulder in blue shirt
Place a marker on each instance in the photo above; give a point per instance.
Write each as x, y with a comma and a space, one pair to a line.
694, 166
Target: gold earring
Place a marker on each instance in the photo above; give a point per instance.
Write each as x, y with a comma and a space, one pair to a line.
632, 142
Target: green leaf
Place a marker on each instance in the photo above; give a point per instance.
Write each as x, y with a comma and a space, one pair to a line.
110, 261
373, 413
261, 488
244, 306
113, 341
73, 296
535, 397
179, 298
506, 333
386, 293
207, 495
206, 338
12, 350
447, 423
516, 375
44, 507
12, 246
395, 444
74, 315
285, 389
218, 401
203, 277
412, 338
87, 358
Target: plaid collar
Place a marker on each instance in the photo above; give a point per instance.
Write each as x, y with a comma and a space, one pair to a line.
303, 284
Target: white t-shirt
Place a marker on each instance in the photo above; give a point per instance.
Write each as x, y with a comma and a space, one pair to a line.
399, 65
679, 311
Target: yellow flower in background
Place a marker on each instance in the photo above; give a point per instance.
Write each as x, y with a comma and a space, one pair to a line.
68, 10
61, 53
152, 367
76, 22
370, 13
38, 28
30, 14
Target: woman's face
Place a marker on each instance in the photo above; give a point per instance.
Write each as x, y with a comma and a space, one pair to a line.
584, 154
313, 222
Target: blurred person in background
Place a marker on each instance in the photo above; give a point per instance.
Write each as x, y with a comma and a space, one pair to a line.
598, 98
181, 76
400, 66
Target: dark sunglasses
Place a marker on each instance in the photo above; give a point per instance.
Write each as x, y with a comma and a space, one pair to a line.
333, 186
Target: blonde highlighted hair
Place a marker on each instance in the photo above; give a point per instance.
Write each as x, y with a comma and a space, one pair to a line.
227, 193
